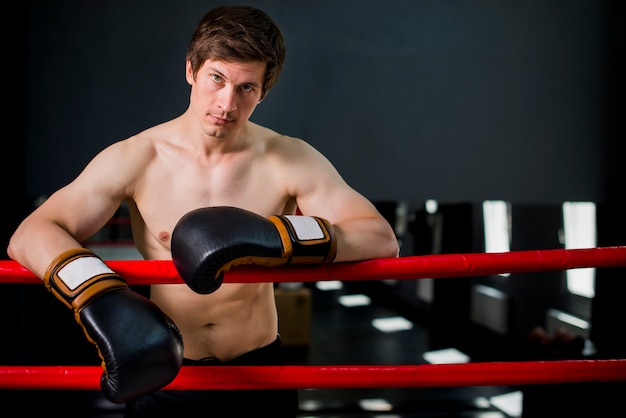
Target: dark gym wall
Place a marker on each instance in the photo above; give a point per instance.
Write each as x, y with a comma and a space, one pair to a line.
442, 99
14, 58
459, 101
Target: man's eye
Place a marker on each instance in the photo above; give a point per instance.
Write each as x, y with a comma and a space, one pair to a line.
217, 78
246, 88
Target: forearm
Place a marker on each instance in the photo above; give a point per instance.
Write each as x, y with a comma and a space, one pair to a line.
364, 239
35, 244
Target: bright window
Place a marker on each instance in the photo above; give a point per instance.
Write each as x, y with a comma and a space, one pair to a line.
497, 221
579, 231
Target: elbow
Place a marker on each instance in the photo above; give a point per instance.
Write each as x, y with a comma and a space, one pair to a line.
394, 249
17, 246
388, 243
391, 248
12, 248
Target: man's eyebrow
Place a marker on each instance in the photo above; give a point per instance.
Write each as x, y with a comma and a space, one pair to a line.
215, 70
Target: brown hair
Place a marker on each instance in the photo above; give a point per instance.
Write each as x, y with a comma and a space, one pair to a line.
239, 34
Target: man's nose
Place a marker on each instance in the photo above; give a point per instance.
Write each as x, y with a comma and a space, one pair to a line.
227, 99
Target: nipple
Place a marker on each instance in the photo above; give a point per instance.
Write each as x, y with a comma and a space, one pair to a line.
164, 236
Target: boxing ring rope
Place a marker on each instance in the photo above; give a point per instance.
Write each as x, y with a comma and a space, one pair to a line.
334, 377
143, 272
349, 376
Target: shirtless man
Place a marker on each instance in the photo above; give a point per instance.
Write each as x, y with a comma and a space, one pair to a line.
210, 156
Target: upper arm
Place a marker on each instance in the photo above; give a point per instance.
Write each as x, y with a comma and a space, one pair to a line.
319, 189
74, 212
83, 206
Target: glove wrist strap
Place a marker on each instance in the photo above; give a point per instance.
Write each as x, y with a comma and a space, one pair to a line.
306, 239
76, 275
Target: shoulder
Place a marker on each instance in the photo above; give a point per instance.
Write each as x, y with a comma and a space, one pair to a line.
144, 145
128, 158
289, 154
272, 139
135, 150
288, 147
296, 158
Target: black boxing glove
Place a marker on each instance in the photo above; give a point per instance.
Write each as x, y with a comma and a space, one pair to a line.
140, 347
206, 242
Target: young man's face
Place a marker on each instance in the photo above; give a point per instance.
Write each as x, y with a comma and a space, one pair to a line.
224, 94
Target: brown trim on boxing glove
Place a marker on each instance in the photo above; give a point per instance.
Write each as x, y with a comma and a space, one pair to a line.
330, 232
76, 298
285, 235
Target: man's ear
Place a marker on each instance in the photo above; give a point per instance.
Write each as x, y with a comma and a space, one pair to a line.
189, 72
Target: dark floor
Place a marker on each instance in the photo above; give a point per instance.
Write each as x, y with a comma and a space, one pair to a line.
339, 335
345, 335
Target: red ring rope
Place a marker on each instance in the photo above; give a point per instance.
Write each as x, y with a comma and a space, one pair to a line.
334, 377
410, 267
303, 377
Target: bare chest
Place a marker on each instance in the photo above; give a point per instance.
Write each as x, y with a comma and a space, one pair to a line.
165, 195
